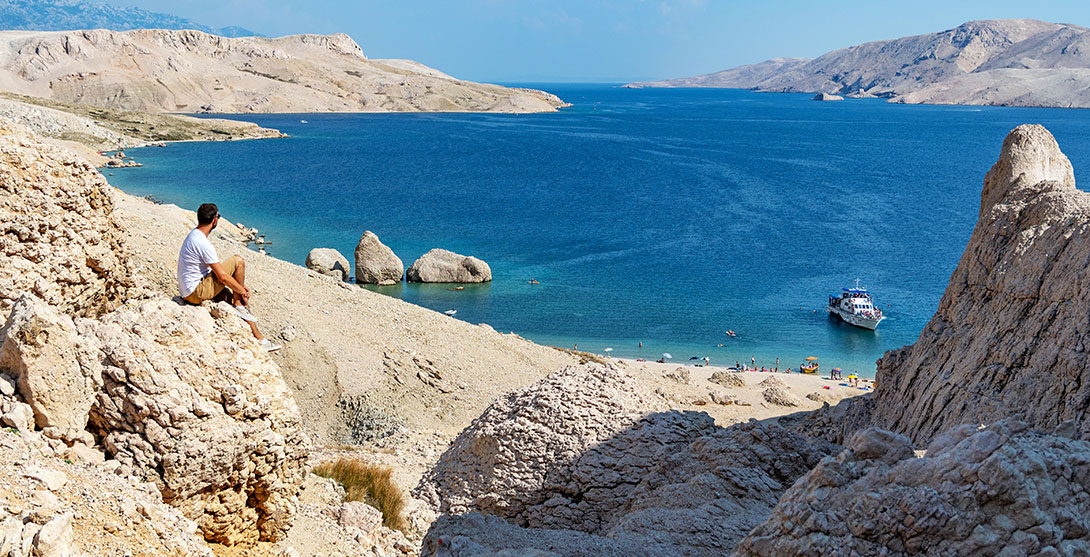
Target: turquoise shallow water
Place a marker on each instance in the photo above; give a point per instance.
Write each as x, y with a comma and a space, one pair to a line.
657, 216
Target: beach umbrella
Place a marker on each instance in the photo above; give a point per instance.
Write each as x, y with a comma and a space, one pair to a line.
666, 355
609, 350
696, 358
811, 358
836, 369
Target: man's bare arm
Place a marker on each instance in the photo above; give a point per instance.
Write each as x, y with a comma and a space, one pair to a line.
229, 281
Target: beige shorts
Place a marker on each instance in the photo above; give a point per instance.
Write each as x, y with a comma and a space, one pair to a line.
210, 286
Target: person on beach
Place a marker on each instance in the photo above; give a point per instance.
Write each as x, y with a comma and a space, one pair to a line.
202, 276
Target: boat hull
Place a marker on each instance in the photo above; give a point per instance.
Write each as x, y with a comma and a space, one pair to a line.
857, 320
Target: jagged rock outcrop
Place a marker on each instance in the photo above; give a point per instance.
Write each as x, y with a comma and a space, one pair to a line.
193, 404
328, 262
780, 396
587, 451
43, 351
524, 449
827, 97
1009, 338
160, 70
58, 240
728, 379
376, 263
178, 397
1003, 490
64, 501
440, 265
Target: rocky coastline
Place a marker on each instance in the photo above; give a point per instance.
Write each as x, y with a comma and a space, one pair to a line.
1000, 62
201, 442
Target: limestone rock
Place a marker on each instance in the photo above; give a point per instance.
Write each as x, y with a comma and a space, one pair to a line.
355, 514
193, 404
827, 97
440, 265
1002, 490
55, 538
550, 424
679, 374
584, 451
54, 369
773, 381
58, 239
728, 379
1010, 336
376, 263
480, 535
780, 397
328, 262
822, 396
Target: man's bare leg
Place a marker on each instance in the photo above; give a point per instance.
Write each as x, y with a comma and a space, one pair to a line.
240, 276
253, 329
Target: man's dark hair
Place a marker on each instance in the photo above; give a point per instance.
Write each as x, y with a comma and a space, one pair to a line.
207, 213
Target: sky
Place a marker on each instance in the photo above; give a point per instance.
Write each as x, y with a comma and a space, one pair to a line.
612, 41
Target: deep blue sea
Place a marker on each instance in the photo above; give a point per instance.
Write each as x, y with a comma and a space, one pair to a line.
661, 216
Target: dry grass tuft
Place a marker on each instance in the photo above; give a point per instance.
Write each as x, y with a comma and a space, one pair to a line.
369, 483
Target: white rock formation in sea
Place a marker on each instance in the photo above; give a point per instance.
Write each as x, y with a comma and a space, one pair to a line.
1010, 62
159, 70
1002, 490
328, 262
58, 240
827, 97
440, 265
1009, 338
376, 263
588, 450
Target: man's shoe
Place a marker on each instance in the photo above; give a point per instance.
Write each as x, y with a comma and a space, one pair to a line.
244, 313
269, 346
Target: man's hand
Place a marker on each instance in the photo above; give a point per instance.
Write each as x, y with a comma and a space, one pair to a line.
244, 293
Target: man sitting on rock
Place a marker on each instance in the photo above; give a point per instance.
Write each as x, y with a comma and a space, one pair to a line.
202, 276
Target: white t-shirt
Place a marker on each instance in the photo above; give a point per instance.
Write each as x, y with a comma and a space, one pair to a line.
194, 261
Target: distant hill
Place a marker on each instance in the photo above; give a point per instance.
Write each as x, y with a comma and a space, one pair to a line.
163, 70
1008, 62
64, 15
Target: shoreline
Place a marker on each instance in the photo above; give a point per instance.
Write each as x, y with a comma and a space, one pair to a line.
765, 354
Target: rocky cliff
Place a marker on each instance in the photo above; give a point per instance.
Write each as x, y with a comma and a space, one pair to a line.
58, 239
1014, 62
189, 71
1003, 490
181, 397
1009, 338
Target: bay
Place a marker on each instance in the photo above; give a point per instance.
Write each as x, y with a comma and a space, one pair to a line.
654, 216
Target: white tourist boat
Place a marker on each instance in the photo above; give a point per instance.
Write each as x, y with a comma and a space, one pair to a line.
855, 306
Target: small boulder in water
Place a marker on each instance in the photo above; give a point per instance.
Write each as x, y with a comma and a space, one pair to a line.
328, 262
440, 265
375, 262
